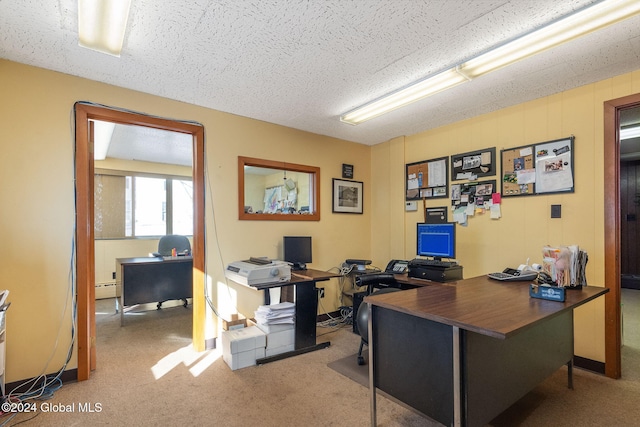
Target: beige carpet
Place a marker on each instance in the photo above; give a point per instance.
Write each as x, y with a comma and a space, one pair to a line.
148, 375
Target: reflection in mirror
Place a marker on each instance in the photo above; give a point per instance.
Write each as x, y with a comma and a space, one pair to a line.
270, 190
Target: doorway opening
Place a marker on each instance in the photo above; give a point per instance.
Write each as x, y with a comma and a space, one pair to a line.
612, 230
85, 117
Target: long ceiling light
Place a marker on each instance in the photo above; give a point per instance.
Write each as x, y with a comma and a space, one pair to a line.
405, 96
102, 23
630, 132
573, 26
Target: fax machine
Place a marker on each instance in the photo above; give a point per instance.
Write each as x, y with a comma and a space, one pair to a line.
258, 271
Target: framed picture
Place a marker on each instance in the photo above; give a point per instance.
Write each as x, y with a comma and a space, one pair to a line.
347, 196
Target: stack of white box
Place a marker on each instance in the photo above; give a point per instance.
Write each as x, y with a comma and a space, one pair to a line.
241, 347
280, 338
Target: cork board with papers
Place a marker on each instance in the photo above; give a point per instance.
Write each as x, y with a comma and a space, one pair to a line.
542, 168
427, 179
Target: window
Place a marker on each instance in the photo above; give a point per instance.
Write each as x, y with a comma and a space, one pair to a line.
130, 205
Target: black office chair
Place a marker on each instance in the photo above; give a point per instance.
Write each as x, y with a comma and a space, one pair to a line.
166, 245
170, 241
386, 283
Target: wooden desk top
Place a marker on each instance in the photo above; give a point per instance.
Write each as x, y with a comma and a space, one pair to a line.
299, 276
482, 305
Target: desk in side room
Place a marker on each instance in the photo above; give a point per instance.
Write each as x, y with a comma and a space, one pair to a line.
153, 279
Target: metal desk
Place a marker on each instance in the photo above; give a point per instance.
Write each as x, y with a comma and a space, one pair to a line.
463, 352
153, 279
306, 310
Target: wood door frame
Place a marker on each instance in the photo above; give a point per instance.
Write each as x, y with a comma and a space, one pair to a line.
85, 255
613, 328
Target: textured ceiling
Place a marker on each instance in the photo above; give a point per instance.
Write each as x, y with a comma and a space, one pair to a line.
304, 63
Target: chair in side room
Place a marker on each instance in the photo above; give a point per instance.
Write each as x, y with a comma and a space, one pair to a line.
378, 284
166, 244
170, 241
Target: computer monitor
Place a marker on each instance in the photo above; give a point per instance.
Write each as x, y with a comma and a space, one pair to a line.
436, 240
297, 251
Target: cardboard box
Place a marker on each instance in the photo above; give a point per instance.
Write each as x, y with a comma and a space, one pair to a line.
278, 335
241, 347
234, 323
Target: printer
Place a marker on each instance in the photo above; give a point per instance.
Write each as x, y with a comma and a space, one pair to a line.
258, 271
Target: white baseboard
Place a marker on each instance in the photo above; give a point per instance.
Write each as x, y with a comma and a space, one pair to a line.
105, 290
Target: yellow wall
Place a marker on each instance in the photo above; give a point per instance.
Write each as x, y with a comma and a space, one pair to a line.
487, 245
37, 199
37, 196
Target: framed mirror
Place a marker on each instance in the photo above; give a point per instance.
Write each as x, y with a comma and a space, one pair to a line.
277, 191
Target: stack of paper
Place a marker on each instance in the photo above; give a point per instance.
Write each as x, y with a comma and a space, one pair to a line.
565, 264
276, 314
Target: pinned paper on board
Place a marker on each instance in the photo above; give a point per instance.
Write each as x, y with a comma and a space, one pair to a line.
538, 168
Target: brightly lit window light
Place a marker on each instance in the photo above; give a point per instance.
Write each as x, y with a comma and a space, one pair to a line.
102, 24
629, 133
573, 26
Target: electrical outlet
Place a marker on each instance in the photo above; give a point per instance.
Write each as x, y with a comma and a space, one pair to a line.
321, 292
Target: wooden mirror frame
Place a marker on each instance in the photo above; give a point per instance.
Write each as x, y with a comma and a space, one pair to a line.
314, 189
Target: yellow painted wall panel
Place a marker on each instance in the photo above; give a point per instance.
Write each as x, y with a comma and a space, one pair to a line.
36, 169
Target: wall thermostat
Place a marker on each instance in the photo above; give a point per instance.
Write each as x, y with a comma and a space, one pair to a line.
411, 206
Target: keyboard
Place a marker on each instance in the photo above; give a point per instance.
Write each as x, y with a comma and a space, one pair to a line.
524, 276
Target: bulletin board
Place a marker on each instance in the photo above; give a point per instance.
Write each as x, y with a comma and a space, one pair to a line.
542, 168
427, 179
473, 164
476, 193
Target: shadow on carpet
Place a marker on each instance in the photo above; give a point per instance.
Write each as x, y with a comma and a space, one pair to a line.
348, 366
515, 415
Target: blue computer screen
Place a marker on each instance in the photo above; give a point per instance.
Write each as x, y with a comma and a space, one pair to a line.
437, 240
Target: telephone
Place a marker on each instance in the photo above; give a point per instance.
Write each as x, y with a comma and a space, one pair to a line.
397, 266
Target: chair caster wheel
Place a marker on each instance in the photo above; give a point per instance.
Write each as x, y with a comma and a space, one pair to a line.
159, 306
360, 360
185, 303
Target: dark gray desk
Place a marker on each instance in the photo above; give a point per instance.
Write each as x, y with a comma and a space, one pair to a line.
153, 279
463, 352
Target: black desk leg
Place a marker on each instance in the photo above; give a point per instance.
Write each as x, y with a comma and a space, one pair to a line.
570, 374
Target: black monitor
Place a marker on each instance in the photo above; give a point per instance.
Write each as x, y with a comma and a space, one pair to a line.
436, 240
297, 251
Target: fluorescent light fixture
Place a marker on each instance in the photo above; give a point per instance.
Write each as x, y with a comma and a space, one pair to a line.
102, 23
573, 26
587, 20
402, 97
629, 133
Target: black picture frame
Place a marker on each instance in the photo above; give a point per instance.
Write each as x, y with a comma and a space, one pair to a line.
347, 196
